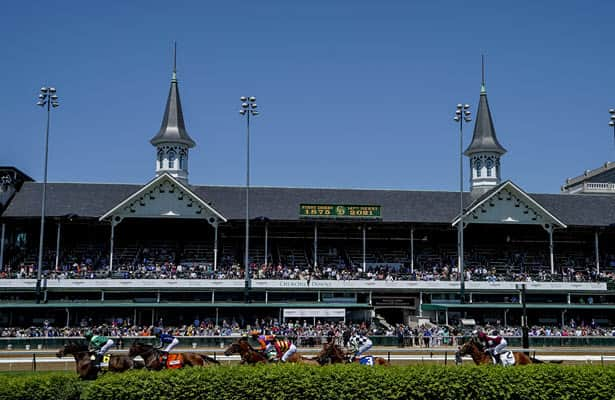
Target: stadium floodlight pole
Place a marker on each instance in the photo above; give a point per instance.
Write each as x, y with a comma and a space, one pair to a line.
248, 108
612, 121
462, 114
46, 98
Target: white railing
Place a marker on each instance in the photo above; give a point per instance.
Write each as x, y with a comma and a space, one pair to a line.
597, 187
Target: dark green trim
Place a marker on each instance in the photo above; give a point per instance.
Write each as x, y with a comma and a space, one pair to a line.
474, 306
129, 304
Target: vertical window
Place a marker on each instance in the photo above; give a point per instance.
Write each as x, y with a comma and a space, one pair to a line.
479, 166
182, 160
171, 159
489, 165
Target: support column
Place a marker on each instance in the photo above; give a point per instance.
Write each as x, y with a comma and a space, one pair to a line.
134, 317
364, 250
2, 233
597, 252
216, 247
111, 247
217, 315
315, 245
266, 242
67, 316
58, 245
412, 249
420, 304
551, 259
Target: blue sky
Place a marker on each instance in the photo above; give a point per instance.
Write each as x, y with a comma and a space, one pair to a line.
352, 93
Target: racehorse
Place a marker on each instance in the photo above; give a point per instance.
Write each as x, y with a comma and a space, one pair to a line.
251, 356
88, 368
153, 357
334, 354
475, 350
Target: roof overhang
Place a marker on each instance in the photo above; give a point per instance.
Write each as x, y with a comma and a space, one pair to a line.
507, 203
164, 197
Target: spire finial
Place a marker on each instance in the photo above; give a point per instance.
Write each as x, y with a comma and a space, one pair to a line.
174, 61
483, 88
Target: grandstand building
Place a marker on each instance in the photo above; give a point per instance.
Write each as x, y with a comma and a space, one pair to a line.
171, 249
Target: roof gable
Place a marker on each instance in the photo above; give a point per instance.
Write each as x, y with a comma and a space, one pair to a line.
507, 203
164, 197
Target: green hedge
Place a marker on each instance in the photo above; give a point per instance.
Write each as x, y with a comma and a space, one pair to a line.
336, 382
40, 386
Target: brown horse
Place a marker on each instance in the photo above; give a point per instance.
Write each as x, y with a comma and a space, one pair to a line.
251, 356
475, 350
334, 354
153, 357
88, 368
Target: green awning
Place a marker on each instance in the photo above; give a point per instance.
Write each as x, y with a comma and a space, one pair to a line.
543, 306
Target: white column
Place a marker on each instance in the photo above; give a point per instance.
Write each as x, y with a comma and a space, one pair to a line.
216, 247
597, 252
2, 246
551, 259
315, 244
364, 249
420, 304
412, 249
266, 241
58, 245
111, 249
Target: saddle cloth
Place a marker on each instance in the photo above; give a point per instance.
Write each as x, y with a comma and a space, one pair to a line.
367, 360
507, 358
172, 361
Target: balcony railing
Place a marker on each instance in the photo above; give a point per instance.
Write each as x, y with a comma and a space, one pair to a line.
596, 187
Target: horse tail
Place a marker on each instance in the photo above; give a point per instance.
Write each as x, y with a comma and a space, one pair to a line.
209, 359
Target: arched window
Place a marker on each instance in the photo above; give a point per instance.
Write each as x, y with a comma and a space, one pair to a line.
171, 155
160, 158
182, 160
479, 166
489, 165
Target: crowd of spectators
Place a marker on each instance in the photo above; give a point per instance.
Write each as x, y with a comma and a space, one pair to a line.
382, 272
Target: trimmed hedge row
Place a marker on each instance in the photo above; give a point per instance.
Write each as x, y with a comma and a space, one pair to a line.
41, 386
335, 382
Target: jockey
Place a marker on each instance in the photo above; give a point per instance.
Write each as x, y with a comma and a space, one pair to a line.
271, 346
359, 344
165, 338
98, 343
495, 344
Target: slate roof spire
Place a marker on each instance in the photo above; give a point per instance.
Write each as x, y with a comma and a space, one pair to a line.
173, 129
484, 138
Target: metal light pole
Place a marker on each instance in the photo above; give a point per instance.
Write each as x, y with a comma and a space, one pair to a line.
48, 98
462, 114
525, 340
612, 121
248, 108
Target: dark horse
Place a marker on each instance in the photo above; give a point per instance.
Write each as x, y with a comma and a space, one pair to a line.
475, 350
251, 357
88, 368
152, 357
334, 354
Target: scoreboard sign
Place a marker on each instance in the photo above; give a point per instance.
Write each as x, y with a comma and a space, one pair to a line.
339, 211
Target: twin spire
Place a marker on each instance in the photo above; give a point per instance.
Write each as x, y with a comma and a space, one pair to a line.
172, 140
485, 150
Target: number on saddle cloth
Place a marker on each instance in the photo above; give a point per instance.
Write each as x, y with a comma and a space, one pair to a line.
367, 360
507, 358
